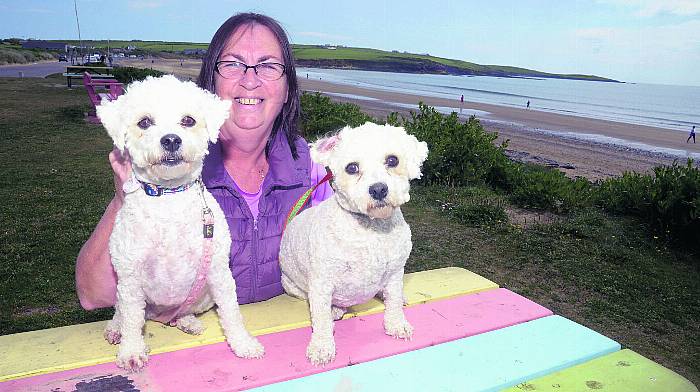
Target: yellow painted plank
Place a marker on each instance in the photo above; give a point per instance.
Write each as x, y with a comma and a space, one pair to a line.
621, 371
39, 352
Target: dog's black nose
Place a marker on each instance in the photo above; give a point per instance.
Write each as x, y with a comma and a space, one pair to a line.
378, 190
171, 142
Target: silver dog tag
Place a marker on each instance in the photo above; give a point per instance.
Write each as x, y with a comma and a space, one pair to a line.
208, 230
131, 185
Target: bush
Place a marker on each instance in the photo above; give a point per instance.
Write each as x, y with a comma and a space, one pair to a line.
669, 201
459, 153
320, 115
127, 75
479, 214
542, 188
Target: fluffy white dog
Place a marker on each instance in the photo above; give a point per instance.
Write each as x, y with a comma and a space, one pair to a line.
162, 238
354, 245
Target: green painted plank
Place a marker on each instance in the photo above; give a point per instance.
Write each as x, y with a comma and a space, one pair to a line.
621, 371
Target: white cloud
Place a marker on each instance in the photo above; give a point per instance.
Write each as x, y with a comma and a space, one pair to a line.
649, 8
143, 4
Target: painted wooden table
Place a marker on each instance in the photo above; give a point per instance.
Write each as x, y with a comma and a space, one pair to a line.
469, 335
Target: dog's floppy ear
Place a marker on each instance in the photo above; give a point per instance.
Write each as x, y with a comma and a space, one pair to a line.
417, 154
322, 148
216, 111
109, 114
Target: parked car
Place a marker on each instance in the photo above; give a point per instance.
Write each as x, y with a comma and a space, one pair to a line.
62, 58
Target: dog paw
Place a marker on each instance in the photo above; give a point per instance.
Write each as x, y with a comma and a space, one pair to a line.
112, 333
132, 362
337, 312
248, 347
320, 353
399, 330
190, 324
113, 336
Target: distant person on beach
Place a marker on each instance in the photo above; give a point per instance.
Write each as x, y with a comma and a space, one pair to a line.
692, 135
461, 103
528, 104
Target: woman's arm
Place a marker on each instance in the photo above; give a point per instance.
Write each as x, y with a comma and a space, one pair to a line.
95, 279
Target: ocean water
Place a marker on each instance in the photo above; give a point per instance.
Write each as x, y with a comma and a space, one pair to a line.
676, 108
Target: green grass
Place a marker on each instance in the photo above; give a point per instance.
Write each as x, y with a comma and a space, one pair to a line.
605, 272
54, 187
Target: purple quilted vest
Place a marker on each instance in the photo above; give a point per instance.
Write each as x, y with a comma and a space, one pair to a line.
256, 243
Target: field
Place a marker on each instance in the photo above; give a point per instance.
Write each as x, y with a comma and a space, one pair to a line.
610, 273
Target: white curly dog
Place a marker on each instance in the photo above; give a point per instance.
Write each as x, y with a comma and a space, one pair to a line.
354, 245
169, 265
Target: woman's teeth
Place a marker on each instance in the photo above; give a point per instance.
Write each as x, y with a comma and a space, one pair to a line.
248, 101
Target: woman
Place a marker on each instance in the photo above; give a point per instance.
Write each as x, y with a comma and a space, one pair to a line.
256, 171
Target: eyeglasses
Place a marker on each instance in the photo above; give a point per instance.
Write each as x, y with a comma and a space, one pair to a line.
236, 70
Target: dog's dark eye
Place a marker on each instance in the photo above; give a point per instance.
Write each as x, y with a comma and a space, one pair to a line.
352, 168
145, 123
392, 161
187, 122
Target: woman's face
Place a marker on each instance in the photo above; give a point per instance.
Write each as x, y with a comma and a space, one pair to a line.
255, 102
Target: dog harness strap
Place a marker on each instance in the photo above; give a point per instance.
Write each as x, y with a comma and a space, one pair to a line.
201, 278
304, 199
207, 253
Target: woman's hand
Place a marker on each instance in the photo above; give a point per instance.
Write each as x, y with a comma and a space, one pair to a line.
121, 165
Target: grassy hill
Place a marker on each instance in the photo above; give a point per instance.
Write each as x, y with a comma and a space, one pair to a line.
379, 60
317, 56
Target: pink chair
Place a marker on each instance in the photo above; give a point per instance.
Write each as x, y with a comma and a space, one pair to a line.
109, 89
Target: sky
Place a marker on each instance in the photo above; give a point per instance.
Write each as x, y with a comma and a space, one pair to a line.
642, 41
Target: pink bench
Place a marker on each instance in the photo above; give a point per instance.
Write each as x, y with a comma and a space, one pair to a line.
99, 90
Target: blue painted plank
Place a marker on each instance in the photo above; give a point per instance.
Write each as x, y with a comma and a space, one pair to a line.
487, 362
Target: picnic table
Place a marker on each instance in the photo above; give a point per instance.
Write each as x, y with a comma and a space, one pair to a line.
470, 335
76, 71
100, 90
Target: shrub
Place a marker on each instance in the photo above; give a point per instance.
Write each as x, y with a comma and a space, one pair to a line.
542, 188
479, 214
127, 75
669, 200
460, 153
320, 115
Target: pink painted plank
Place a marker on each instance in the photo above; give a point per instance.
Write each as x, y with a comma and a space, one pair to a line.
359, 339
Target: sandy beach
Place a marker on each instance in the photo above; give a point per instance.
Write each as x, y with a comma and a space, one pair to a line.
572, 152
527, 140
